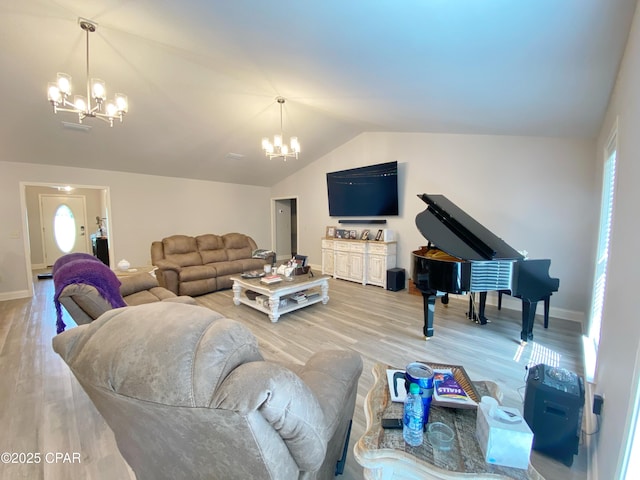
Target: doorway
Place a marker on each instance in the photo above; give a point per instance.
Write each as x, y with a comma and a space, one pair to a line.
64, 226
284, 227
97, 203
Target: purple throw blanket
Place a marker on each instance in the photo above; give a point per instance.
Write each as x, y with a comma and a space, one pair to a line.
89, 272
70, 257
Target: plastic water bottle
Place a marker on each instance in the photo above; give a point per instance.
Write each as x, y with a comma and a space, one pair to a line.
413, 419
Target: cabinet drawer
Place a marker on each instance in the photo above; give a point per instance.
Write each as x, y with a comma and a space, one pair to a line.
377, 249
342, 246
357, 247
382, 249
327, 244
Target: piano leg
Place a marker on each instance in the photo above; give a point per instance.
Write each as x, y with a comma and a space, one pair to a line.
429, 300
483, 302
546, 310
528, 319
478, 317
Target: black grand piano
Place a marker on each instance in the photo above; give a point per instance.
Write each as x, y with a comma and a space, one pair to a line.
464, 257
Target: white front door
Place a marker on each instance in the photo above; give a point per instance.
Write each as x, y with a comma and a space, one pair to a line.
63, 221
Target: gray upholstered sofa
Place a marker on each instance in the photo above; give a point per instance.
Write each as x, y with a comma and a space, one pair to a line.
197, 265
87, 288
84, 303
189, 396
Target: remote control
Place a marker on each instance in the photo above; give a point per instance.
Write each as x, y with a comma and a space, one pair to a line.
391, 423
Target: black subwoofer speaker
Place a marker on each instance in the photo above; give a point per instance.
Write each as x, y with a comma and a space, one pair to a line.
553, 407
395, 279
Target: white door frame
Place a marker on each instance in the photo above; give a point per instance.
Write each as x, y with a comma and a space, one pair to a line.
25, 225
274, 206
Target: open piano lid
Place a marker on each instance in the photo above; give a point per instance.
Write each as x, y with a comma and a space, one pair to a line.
450, 229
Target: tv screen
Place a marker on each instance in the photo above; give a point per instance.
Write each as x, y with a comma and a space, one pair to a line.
364, 191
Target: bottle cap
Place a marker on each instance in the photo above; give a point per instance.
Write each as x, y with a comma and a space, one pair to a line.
414, 388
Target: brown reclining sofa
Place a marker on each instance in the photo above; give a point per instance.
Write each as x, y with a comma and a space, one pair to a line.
197, 265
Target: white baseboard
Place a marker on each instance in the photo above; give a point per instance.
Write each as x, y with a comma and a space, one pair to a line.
38, 266
511, 303
14, 295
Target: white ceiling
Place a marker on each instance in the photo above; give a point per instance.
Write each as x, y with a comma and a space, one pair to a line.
202, 76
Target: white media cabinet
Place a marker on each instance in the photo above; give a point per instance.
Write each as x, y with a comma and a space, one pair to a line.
362, 261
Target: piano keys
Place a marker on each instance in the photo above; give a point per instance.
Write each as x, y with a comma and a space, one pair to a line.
465, 257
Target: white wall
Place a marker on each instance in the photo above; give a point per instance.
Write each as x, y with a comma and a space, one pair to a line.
616, 377
537, 194
143, 208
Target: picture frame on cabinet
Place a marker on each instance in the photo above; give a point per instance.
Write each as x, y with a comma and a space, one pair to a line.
364, 235
379, 235
331, 232
353, 234
340, 233
300, 260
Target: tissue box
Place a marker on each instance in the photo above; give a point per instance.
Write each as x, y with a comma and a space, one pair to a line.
504, 437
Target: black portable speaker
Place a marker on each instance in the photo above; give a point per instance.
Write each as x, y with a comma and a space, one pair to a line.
553, 407
395, 279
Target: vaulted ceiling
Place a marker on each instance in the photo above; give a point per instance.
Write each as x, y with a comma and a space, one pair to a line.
202, 76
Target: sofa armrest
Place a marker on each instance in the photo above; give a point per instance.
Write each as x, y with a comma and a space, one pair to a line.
284, 401
168, 275
167, 265
332, 375
83, 302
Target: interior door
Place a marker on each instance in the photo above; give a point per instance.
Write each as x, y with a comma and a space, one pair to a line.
63, 219
283, 229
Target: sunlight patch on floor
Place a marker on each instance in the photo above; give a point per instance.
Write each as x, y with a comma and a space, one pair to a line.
538, 354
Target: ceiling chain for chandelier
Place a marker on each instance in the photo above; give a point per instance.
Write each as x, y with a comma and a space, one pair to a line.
59, 93
278, 148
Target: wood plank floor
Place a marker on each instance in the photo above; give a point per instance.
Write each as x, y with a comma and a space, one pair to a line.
43, 409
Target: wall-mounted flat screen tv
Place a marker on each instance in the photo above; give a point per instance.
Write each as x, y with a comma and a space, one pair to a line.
364, 191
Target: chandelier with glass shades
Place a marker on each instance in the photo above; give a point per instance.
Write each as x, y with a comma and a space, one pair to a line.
95, 104
278, 148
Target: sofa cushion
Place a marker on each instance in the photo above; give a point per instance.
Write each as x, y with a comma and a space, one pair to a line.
181, 250
238, 253
209, 241
228, 268
235, 240
154, 294
211, 248
213, 256
185, 259
197, 272
134, 283
198, 287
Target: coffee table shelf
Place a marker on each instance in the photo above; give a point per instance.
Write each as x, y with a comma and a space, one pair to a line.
276, 291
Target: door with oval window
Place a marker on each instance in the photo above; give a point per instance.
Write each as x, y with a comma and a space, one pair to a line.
63, 220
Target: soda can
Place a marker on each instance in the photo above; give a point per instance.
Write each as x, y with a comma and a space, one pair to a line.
422, 374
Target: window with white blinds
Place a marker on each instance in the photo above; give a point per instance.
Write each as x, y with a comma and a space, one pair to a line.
599, 286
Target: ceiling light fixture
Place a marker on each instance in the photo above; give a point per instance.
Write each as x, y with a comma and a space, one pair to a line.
59, 93
278, 148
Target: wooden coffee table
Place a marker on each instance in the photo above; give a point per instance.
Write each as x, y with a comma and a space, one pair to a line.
277, 291
385, 455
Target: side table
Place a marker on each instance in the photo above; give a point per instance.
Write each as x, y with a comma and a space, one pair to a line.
385, 456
